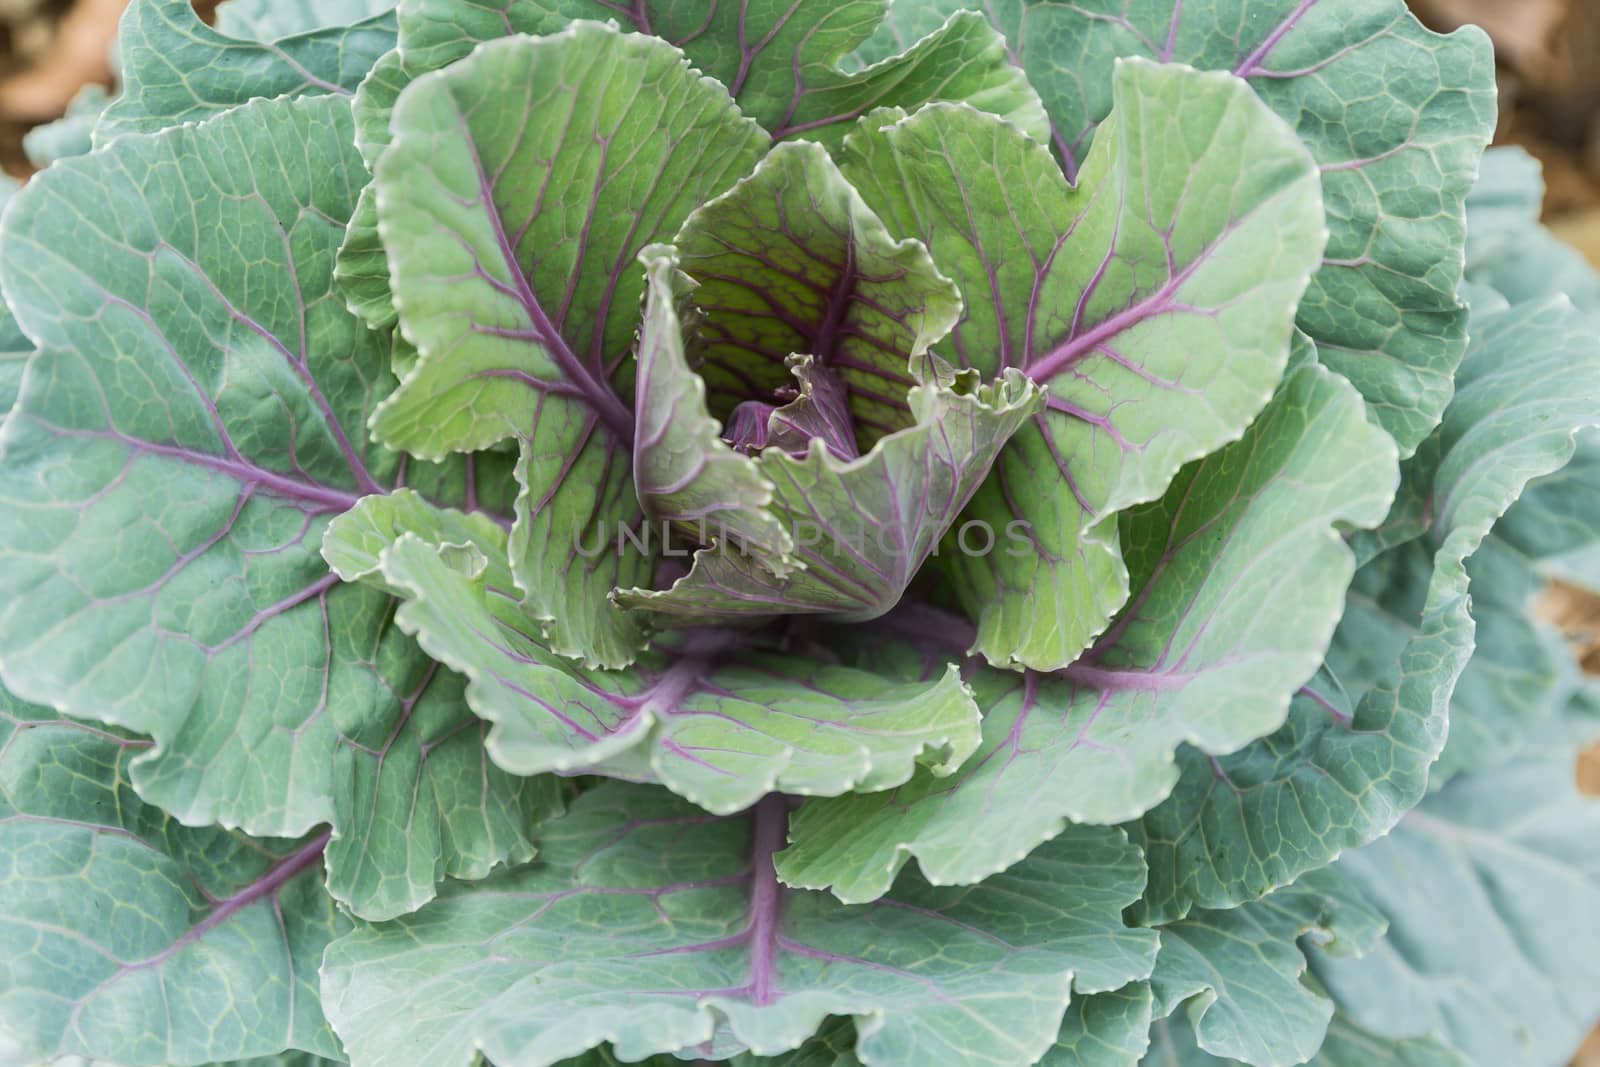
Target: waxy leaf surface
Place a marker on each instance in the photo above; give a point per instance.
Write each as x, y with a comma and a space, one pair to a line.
192, 423
1207, 653
656, 928
1154, 303
1492, 893
513, 246
1239, 973
1361, 737
777, 58
714, 722
1396, 115
176, 69
128, 938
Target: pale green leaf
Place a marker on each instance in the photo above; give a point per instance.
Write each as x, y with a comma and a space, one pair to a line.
273, 20
1557, 521
1209, 652
875, 518
649, 925
1104, 1029
417, 800
176, 69
192, 423
513, 247
1154, 301
686, 475
1492, 892
1347, 1045
1507, 248
718, 723
127, 937
776, 57
1520, 675
1240, 972
72, 134
1397, 117
1356, 751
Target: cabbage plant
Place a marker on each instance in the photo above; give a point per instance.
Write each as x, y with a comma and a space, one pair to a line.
574, 532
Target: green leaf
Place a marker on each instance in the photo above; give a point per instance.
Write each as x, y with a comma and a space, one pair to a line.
776, 57
70, 135
686, 475
718, 723
1491, 888
1347, 1045
1207, 653
650, 926
273, 20
1240, 971
1355, 753
1556, 523
417, 801
176, 69
126, 936
791, 261
159, 543
160, 567
1397, 117
1104, 1030
1121, 297
1531, 381
1508, 250
1520, 674
513, 249
354, 542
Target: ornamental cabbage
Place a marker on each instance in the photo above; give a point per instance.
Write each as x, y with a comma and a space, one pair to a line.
796, 533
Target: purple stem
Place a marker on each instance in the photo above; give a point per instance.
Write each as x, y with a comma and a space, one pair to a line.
277, 876
1326, 705
1251, 65
597, 394
766, 896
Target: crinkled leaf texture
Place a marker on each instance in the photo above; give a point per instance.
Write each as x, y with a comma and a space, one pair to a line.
160, 540
807, 525
1397, 117
513, 248
192, 422
1208, 653
1492, 892
656, 928
777, 58
714, 719
1154, 302
1361, 737
1240, 972
798, 291
176, 69
129, 938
